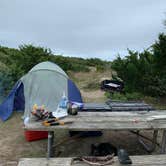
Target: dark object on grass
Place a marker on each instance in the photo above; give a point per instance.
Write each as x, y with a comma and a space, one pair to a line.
112, 86
103, 149
124, 157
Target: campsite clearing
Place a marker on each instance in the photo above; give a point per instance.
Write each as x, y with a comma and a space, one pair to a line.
13, 145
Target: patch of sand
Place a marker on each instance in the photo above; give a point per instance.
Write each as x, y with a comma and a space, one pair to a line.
93, 96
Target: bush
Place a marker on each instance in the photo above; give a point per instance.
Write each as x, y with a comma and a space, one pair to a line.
116, 96
134, 96
144, 72
124, 97
100, 68
20, 61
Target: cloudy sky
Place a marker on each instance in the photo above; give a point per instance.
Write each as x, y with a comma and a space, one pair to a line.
84, 28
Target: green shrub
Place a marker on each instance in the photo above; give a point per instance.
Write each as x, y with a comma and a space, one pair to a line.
134, 96
124, 97
100, 68
116, 96
144, 72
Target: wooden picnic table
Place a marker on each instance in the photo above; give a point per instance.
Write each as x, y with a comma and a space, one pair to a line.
93, 121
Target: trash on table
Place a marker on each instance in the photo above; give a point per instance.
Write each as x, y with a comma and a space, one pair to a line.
39, 112
57, 123
61, 110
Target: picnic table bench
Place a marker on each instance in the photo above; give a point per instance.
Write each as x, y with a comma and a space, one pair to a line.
93, 121
143, 160
117, 106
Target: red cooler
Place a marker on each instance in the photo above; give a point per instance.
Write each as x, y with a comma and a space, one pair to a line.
35, 135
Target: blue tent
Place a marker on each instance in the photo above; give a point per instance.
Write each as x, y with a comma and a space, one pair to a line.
43, 84
73, 92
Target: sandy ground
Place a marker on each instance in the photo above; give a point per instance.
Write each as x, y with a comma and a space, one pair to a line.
93, 96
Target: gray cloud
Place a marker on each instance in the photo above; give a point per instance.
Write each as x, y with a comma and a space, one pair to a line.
86, 28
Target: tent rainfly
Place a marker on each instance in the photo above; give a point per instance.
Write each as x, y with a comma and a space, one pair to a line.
44, 84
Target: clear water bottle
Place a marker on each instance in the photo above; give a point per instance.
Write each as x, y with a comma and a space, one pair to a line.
63, 102
26, 120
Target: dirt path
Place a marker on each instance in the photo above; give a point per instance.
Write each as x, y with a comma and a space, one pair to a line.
13, 144
93, 96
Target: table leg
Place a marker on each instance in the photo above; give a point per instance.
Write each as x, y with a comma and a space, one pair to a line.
154, 142
163, 143
50, 144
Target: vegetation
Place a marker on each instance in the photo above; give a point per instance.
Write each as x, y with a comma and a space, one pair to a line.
144, 72
124, 97
14, 63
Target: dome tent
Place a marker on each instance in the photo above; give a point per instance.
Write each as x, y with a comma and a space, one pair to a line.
44, 84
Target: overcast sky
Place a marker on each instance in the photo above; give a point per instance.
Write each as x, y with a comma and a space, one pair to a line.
84, 28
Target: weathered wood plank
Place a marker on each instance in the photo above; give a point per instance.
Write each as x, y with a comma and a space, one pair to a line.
96, 106
143, 160
45, 162
119, 114
120, 101
108, 121
117, 106
133, 108
128, 104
